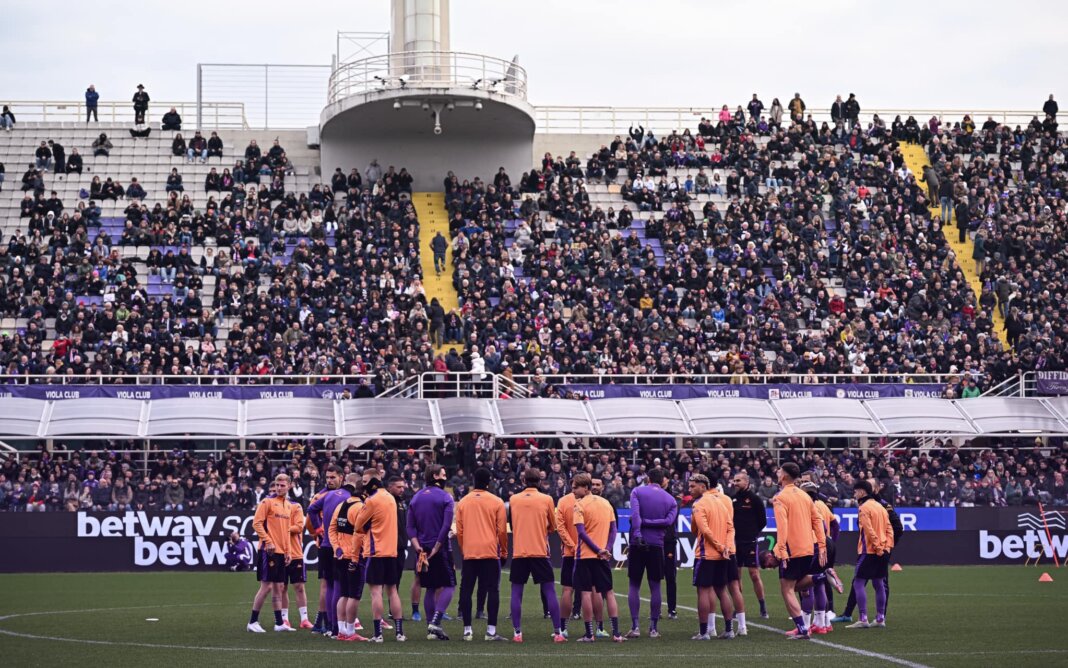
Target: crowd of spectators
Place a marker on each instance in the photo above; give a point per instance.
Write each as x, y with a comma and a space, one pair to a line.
790, 248
743, 286
1011, 473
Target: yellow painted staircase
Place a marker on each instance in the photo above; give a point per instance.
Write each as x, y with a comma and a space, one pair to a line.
434, 218
916, 159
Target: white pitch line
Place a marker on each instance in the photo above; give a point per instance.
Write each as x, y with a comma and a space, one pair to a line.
375, 651
844, 648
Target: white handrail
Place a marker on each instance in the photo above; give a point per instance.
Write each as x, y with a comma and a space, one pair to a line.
215, 114
414, 70
725, 379
663, 120
190, 379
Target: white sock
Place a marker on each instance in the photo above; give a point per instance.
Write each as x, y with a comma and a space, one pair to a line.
467, 629
712, 623
303, 613
491, 630
740, 618
285, 614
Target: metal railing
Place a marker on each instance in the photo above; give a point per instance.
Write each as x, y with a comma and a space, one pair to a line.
166, 379
211, 114
274, 96
663, 120
428, 69
435, 385
727, 379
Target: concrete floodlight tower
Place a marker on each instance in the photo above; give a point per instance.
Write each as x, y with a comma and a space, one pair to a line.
426, 107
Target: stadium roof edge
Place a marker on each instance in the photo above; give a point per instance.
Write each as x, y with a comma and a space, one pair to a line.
421, 419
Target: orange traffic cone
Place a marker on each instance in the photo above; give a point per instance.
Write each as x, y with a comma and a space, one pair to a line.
1045, 577
895, 567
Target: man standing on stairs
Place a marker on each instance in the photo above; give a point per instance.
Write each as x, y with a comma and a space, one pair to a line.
436, 315
439, 244
945, 198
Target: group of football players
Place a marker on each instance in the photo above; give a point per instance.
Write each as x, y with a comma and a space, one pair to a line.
363, 533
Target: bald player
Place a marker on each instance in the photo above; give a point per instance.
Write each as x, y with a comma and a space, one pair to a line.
799, 534
271, 524
377, 522
713, 528
750, 518
652, 512
482, 534
596, 528
533, 519
348, 559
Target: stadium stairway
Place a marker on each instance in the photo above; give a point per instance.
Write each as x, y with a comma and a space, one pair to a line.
916, 159
433, 218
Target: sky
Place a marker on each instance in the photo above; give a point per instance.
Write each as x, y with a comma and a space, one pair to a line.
693, 53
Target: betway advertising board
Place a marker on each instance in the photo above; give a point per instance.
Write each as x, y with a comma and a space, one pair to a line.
143, 540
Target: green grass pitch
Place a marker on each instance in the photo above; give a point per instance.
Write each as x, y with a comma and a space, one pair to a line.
939, 616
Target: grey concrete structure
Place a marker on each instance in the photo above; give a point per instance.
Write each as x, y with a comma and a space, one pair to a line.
427, 108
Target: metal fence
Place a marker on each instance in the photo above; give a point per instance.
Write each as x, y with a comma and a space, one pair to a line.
292, 96
223, 113
428, 69
273, 96
662, 120
166, 379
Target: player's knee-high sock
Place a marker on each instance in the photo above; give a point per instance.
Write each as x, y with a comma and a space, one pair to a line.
335, 596
886, 585
429, 607
880, 598
441, 603
634, 602
806, 604
493, 606
828, 591
517, 608
859, 588
654, 603
672, 593
548, 592
466, 590
544, 603
331, 607
851, 602
820, 604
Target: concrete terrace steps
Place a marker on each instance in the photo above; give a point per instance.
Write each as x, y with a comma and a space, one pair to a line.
150, 160
434, 218
916, 159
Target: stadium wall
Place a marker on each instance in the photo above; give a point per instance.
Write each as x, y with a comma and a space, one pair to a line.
150, 540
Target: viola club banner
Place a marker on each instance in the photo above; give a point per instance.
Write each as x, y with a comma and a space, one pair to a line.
142, 392
152, 540
767, 391
1052, 382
